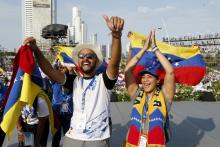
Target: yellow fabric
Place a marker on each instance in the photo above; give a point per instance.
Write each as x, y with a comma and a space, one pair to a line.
138, 40
67, 50
51, 118
29, 92
151, 109
162, 109
1, 70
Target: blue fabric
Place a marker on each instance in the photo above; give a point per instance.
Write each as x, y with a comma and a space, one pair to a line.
3, 90
60, 96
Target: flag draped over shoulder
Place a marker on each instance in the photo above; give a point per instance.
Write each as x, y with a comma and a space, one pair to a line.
64, 55
25, 85
188, 63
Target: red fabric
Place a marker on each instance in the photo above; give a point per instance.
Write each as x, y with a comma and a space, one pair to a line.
132, 135
189, 78
156, 136
25, 60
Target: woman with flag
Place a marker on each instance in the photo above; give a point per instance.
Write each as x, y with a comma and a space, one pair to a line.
151, 99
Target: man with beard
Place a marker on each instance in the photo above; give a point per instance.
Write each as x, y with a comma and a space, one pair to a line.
91, 92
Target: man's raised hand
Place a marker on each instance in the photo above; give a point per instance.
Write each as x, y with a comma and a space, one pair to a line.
115, 24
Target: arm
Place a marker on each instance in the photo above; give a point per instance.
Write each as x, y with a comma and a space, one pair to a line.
44, 64
168, 88
130, 81
115, 24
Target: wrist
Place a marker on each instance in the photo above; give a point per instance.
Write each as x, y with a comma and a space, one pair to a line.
138, 58
116, 35
154, 49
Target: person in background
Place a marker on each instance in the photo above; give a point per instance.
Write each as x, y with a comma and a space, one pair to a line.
62, 104
36, 120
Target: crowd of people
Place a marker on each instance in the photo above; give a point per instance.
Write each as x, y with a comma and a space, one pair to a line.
207, 83
209, 43
193, 37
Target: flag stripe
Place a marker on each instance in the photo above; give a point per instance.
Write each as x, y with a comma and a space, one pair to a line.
185, 61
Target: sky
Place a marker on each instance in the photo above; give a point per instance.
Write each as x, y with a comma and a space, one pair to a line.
175, 17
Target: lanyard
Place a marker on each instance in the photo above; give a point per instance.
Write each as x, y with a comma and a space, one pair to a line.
84, 92
145, 112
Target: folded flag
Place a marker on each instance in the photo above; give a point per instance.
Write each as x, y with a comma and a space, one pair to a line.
188, 63
24, 86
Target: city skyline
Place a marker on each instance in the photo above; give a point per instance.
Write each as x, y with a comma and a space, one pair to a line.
177, 18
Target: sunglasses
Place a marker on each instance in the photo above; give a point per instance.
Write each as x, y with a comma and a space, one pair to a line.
88, 56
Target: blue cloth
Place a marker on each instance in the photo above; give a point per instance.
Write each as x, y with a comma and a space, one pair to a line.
61, 97
3, 90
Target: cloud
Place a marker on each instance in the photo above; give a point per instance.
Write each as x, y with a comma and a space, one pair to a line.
148, 10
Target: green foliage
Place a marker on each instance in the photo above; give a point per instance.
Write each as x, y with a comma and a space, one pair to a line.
216, 90
183, 92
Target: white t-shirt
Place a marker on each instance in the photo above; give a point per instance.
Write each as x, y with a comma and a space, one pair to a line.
42, 108
96, 109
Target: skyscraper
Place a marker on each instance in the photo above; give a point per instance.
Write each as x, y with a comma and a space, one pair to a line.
54, 11
94, 38
36, 14
84, 32
78, 29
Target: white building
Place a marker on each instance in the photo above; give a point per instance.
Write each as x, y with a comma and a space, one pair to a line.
78, 29
94, 38
36, 14
84, 32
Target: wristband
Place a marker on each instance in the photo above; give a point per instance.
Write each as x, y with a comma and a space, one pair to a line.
155, 49
116, 35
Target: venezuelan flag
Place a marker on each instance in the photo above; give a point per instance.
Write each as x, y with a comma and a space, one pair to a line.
25, 85
64, 55
188, 63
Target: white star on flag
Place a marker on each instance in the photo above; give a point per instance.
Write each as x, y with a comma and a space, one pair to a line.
176, 64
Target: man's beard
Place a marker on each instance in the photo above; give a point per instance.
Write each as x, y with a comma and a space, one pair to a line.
91, 70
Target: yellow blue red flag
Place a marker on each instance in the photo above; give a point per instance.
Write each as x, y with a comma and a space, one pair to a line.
188, 63
24, 87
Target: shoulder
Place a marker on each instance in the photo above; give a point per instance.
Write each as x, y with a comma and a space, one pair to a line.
109, 83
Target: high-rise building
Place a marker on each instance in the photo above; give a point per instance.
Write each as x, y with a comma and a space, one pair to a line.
109, 51
78, 29
84, 32
36, 14
104, 50
94, 38
76, 22
54, 11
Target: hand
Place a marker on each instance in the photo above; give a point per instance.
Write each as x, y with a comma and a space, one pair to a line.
30, 41
148, 41
153, 40
115, 24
